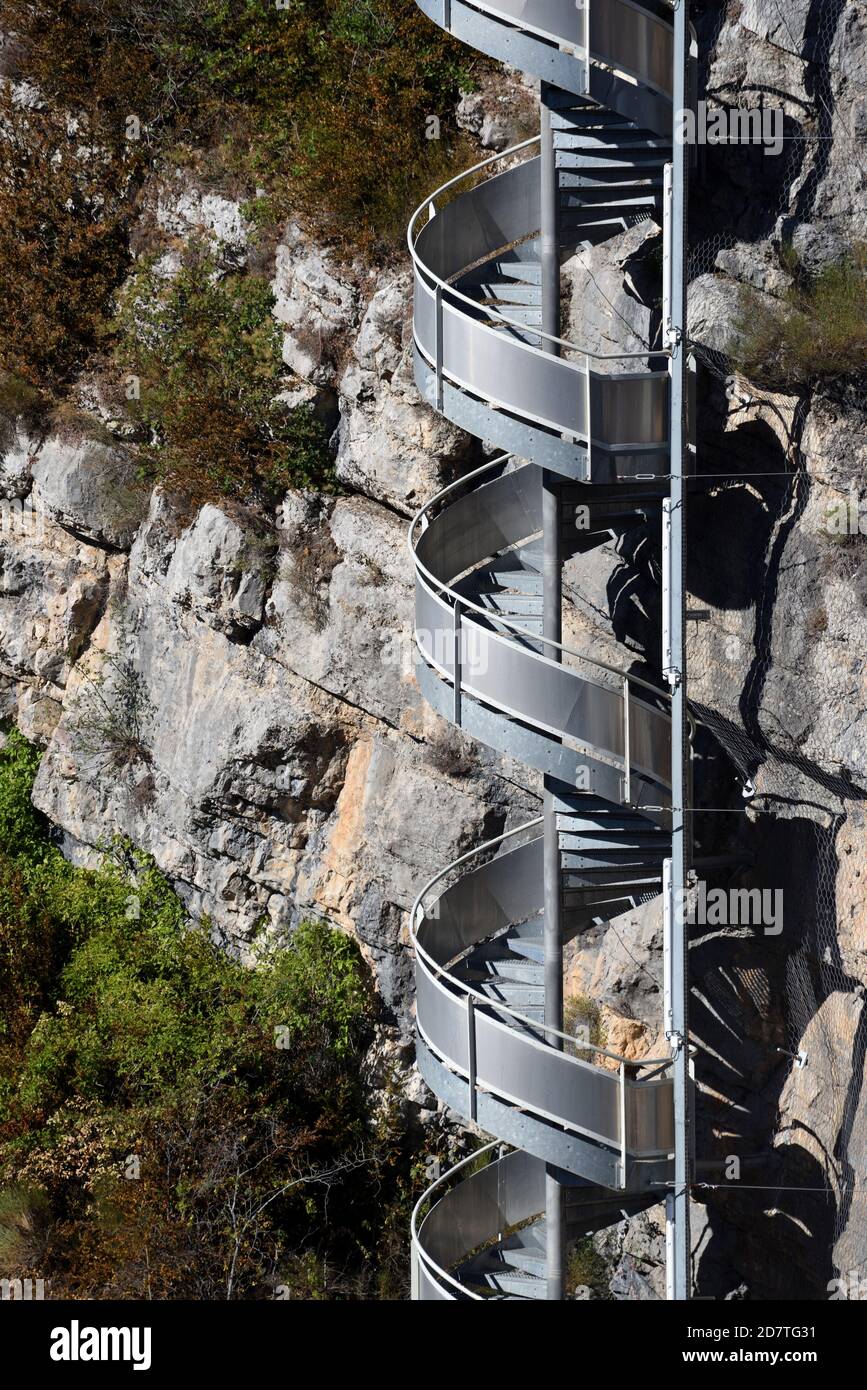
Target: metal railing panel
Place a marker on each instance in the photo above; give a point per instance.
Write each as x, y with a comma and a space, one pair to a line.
430, 1289
482, 220
560, 20
551, 391
630, 409
537, 749
549, 696
633, 40
579, 1096
650, 1116
502, 1194
483, 901
498, 367
491, 518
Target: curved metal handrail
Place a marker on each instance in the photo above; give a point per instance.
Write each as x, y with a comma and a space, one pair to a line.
446, 591
415, 1230
491, 311
484, 1000
436, 586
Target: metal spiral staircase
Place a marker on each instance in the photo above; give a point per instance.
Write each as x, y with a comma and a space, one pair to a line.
589, 441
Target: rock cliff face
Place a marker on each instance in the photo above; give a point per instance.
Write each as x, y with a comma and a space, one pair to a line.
236, 693
282, 763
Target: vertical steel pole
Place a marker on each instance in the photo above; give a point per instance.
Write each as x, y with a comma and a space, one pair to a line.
552, 608
549, 238
679, 1280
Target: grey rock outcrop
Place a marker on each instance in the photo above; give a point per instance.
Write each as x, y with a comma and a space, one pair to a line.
217, 568
390, 444
185, 212
501, 111
285, 751
604, 311
316, 303
19, 445
90, 488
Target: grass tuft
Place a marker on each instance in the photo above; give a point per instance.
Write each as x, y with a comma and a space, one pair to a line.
816, 336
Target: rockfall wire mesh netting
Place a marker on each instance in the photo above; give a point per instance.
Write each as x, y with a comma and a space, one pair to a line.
776, 635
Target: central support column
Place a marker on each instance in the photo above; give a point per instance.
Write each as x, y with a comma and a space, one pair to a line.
549, 234
674, 660
553, 936
552, 607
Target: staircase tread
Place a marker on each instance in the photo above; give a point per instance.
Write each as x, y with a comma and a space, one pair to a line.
604, 203
501, 601
507, 292
571, 161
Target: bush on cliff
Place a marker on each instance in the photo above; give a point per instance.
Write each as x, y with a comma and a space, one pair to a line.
206, 352
172, 1123
314, 107
816, 336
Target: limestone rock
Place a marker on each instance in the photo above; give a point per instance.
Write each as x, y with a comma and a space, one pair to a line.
391, 445
187, 212
316, 303
756, 265
713, 305
53, 588
219, 569
340, 610
90, 488
605, 312
500, 112
634, 1251
19, 446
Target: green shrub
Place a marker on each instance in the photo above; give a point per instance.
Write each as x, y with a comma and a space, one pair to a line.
585, 1266
174, 1123
207, 352
22, 827
818, 335
316, 983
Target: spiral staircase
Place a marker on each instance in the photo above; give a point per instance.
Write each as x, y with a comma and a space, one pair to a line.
583, 1136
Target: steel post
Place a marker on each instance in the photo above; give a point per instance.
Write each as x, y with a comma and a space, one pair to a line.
679, 1277
552, 607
